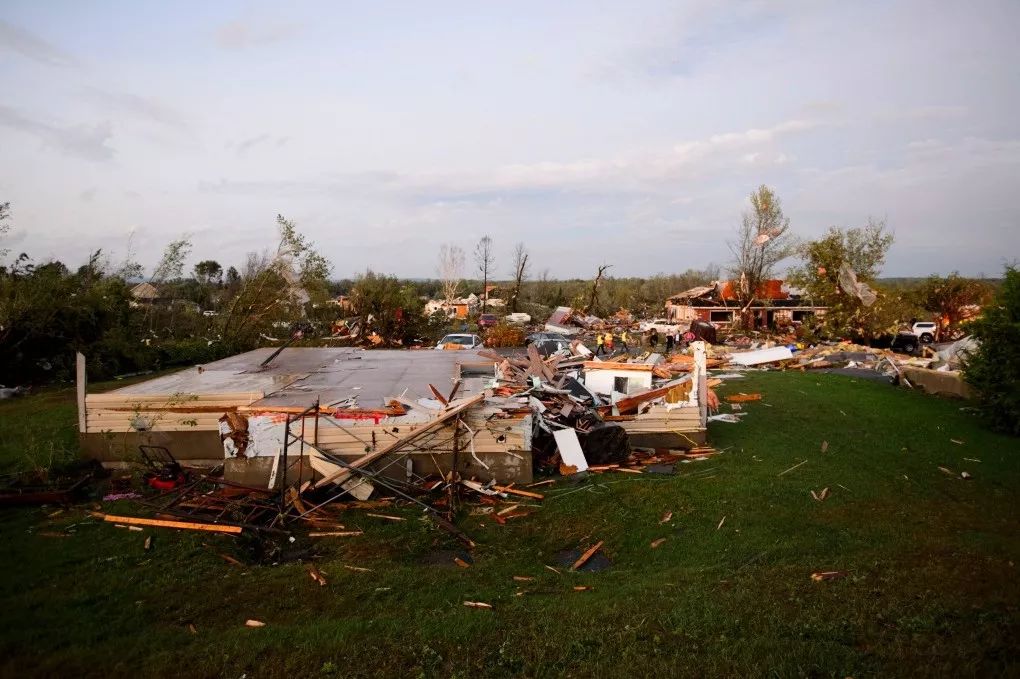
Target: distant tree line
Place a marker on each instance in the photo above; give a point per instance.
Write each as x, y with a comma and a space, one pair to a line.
48, 310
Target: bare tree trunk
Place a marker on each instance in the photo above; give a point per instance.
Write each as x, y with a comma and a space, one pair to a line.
594, 298
520, 272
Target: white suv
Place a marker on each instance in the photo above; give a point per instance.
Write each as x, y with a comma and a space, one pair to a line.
925, 331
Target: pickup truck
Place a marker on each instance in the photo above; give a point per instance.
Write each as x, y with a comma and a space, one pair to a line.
663, 326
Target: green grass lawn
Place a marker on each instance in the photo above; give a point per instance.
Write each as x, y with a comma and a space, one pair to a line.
932, 588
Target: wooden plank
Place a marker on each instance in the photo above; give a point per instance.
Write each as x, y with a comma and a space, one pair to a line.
612, 365
630, 404
80, 386
439, 397
226, 397
161, 523
583, 559
523, 493
447, 415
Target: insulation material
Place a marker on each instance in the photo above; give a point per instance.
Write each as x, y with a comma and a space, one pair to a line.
266, 434
849, 284
569, 446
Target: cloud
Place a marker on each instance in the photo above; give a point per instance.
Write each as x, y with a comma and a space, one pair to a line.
242, 147
242, 34
141, 108
89, 142
31, 46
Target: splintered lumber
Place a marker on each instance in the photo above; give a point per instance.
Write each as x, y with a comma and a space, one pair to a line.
477, 604
630, 404
522, 493
162, 523
342, 475
583, 559
611, 364
335, 534
742, 398
439, 397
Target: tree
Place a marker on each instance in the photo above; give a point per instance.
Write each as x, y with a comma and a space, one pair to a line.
763, 240
5, 226
207, 271
171, 265
951, 297
520, 274
233, 278
593, 297
863, 251
994, 368
388, 307
276, 288
485, 259
451, 270
129, 269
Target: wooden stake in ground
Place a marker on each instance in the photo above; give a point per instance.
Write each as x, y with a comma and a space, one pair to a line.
583, 559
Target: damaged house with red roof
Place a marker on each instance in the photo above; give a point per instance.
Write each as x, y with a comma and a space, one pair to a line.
776, 305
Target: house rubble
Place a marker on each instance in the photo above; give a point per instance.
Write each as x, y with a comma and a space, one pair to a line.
776, 304
313, 417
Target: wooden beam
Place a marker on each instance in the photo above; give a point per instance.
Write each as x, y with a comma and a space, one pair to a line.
445, 416
161, 523
630, 404
613, 365
80, 385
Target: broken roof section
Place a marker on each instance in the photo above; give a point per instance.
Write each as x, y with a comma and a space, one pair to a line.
334, 375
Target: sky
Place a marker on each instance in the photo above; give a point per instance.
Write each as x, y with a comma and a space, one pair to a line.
627, 133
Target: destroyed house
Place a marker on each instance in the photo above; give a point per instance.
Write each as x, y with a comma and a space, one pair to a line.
276, 418
775, 304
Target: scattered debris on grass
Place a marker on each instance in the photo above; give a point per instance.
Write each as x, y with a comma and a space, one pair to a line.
828, 575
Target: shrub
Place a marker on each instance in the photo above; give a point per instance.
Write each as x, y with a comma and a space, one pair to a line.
994, 369
504, 335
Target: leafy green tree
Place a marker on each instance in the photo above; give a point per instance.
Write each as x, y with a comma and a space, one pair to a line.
208, 271
951, 298
763, 240
864, 250
389, 307
994, 369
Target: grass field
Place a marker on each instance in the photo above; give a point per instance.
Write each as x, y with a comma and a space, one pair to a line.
932, 588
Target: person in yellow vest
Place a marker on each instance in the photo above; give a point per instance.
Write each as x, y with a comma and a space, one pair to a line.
599, 348
623, 340
609, 342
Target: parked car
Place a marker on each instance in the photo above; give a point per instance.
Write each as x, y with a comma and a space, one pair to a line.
548, 347
543, 336
487, 321
464, 340
924, 331
905, 343
663, 326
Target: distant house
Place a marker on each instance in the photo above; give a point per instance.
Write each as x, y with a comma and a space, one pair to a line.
144, 294
458, 308
776, 304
